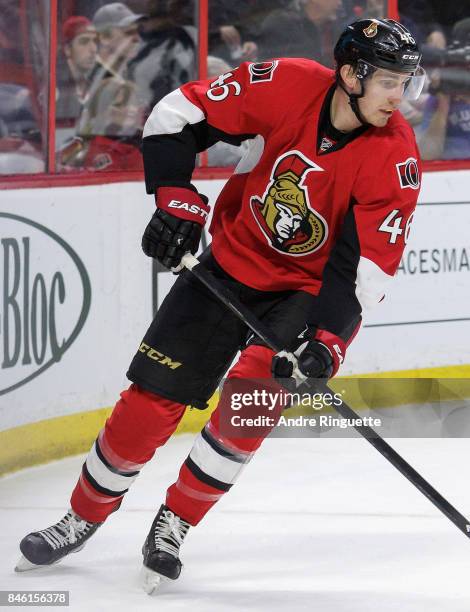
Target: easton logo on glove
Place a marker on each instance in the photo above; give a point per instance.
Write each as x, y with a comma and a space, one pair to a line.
183, 203
191, 208
176, 226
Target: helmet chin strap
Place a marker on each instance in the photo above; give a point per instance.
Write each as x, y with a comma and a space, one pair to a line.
354, 101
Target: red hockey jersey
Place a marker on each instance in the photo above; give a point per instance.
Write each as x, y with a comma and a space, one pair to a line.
298, 201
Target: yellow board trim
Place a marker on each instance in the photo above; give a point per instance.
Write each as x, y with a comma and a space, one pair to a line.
59, 437
454, 371
52, 439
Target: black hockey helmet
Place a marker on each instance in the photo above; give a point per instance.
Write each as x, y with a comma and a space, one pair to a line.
383, 43
369, 44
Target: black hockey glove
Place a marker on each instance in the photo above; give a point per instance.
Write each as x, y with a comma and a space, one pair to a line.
319, 357
176, 226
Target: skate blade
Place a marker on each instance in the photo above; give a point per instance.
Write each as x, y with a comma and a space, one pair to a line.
151, 581
24, 565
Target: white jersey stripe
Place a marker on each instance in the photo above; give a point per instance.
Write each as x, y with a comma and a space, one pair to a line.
371, 282
171, 114
213, 464
104, 476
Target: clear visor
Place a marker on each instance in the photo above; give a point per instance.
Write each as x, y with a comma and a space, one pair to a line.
407, 86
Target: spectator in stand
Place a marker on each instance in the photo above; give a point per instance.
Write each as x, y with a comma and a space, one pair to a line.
418, 17
20, 139
109, 133
306, 28
445, 129
167, 56
234, 28
23, 87
79, 43
113, 111
118, 37
10, 33
445, 13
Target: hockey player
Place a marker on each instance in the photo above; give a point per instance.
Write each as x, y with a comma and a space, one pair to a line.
307, 232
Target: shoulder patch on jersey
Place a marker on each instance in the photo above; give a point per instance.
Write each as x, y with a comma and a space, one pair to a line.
408, 173
262, 71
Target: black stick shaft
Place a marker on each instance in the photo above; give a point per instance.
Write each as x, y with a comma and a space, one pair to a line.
407, 470
267, 336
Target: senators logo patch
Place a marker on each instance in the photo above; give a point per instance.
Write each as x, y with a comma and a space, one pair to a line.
284, 214
262, 72
371, 30
408, 174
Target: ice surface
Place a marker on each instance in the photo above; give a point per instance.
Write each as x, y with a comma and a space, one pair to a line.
320, 524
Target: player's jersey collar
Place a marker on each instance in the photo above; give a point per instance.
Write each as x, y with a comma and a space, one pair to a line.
329, 139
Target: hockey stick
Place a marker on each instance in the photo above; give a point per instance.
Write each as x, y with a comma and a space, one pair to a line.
269, 338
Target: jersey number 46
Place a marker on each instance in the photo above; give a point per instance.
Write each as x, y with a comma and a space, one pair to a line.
392, 224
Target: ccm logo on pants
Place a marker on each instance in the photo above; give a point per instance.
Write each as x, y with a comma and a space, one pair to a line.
160, 357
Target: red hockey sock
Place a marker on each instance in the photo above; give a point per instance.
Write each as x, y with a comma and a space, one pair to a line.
216, 460
139, 424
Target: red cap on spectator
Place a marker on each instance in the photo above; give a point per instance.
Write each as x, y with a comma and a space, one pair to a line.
73, 26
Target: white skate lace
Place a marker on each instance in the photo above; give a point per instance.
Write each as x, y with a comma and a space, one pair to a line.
170, 532
67, 531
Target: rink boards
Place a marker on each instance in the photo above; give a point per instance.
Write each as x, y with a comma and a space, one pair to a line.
77, 297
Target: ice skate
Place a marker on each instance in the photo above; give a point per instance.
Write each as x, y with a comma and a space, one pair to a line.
161, 549
49, 546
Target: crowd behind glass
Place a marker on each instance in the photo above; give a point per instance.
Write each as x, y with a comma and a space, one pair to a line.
116, 60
